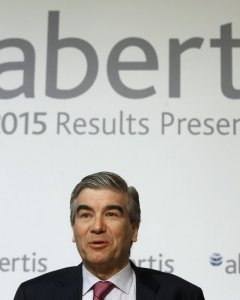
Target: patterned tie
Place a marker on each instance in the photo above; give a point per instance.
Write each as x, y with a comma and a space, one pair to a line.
101, 289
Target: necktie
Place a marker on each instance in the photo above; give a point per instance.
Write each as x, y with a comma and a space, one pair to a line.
101, 289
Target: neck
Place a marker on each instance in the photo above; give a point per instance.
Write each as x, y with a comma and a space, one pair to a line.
104, 272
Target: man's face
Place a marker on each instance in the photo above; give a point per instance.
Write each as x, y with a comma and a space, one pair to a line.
102, 229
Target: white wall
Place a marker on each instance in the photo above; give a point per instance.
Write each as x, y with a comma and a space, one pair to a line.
188, 183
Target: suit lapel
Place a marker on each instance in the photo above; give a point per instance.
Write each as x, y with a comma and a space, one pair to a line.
70, 286
146, 285
68, 292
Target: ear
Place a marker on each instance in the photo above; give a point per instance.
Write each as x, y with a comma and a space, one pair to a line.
135, 232
73, 237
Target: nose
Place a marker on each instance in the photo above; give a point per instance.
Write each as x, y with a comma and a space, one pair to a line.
98, 225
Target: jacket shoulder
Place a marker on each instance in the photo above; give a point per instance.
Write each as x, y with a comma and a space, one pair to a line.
171, 283
57, 275
47, 283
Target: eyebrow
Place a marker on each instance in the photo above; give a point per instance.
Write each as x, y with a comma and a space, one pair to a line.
108, 207
83, 207
116, 207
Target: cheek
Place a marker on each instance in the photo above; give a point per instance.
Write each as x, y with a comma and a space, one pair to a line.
80, 240
79, 233
124, 234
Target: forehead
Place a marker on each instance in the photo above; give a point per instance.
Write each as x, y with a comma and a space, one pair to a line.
101, 197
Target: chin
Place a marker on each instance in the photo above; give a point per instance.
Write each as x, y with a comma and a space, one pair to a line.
99, 260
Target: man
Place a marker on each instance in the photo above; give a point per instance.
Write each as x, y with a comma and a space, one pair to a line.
105, 218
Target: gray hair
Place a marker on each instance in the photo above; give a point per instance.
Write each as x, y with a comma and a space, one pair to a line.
111, 181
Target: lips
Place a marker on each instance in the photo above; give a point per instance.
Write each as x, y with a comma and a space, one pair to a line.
98, 244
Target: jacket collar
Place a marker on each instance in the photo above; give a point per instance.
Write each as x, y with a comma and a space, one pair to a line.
71, 284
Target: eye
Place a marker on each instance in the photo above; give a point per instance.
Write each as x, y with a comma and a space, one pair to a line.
84, 215
112, 214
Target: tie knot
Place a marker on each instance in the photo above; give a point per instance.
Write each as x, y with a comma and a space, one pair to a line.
101, 289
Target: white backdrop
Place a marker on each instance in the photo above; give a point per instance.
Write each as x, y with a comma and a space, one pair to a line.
186, 171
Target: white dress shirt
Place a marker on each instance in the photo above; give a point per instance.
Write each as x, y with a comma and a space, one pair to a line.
124, 281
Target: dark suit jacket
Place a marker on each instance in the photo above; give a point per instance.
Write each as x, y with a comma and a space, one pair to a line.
66, 284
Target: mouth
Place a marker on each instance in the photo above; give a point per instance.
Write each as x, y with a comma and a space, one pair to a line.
98, 244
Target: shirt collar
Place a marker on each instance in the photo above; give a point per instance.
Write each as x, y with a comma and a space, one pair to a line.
122, 280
